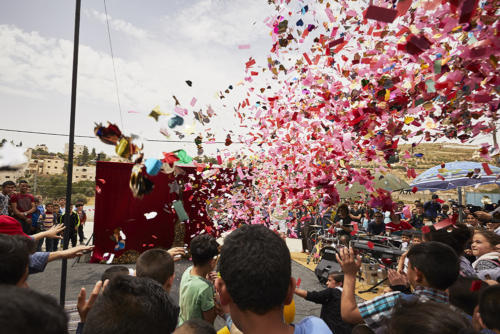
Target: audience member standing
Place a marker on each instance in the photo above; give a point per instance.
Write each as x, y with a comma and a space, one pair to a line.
83, 218
417, 219
23, 205
432, 208
196, 292
7, 189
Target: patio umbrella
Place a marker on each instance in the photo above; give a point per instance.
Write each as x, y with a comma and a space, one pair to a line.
455, 174
389, 182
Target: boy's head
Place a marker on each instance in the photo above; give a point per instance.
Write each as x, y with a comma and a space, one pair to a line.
157, 264
204, 248
432, 264
113, 272
49, 207
8, 187
416, 317
420, 208
255, 268
132, 305
406, 236
489, 308
335, 279
27, 311
416, 237
195, 326
464, 293
14, 259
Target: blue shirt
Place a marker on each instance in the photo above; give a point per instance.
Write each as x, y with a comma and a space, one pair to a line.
311, 325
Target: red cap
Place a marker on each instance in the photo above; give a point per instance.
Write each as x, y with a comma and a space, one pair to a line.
11, 226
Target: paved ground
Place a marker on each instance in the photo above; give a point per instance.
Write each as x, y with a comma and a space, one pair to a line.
85, 275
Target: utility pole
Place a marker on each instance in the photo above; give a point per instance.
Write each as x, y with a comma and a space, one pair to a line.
69, 182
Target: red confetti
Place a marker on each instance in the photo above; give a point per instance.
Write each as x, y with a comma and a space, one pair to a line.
440, 177
381, 14
370, 244
414, 189
476, 285
487, 168
426, 229
298, 282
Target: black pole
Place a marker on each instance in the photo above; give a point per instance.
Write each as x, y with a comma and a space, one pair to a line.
67, 217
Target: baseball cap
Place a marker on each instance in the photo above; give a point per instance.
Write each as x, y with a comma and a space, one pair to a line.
11, 226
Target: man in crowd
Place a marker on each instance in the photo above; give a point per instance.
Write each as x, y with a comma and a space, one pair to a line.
7, 190
432, 208
417, 220
377, 227
23, 205
83, 218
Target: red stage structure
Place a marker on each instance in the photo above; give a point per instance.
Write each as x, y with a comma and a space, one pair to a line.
115, 207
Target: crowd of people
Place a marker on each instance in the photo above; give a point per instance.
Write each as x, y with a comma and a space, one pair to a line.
36, 216
445, 282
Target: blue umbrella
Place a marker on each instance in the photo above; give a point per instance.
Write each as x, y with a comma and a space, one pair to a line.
455, 174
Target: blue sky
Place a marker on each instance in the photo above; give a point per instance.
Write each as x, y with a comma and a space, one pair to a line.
157, 46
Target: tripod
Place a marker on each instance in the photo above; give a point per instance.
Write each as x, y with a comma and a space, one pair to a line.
77, 259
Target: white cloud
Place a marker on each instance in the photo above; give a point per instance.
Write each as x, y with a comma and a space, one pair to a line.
220, 23
117, 24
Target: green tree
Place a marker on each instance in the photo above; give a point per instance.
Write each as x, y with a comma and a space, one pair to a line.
85, 157
93, 154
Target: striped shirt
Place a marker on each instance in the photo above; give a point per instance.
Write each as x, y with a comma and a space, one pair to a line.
376, 311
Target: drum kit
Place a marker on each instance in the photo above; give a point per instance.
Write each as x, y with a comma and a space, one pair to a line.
378, 253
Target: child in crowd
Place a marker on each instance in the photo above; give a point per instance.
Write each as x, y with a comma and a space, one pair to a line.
156, 264
127, 304
484, 248
48, 220
196, 293
433, 268
489, 309
417, 317
330, 300
195, 326
113, 272
255, 282
405, 240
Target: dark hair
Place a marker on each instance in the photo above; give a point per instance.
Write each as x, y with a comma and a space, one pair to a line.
196, 326
8, 183
203, 249
113, 272
489, 307
155, 263
27, 311
456, 237
437, 262
132, 305
343, 207
337, 276
22, 181
416, 317
416, 234
14, 257
491, 237
255, 265
419, 205
463, 295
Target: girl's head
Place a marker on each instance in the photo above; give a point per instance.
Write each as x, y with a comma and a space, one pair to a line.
484, 242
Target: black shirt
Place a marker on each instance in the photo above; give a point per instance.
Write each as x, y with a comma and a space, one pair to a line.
330, 311
376, 229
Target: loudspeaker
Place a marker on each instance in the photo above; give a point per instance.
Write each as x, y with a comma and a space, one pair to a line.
325, 267
328, 253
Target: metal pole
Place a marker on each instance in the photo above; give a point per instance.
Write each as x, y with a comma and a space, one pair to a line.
67, 217
460, 210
